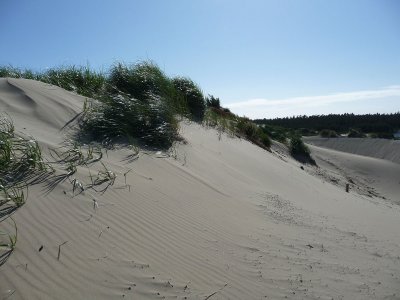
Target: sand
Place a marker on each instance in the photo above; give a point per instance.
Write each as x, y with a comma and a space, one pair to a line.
378, 148
214, 218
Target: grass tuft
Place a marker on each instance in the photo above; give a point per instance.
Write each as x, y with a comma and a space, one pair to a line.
300, 151
193, 96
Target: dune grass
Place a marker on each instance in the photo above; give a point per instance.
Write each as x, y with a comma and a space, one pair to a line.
21, 162
300, 151
192, 96
81, 80
225, 121
18, 156
140, 104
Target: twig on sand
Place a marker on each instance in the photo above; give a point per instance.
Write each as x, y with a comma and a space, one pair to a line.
10, 293
88, 219
59, 249
209, 296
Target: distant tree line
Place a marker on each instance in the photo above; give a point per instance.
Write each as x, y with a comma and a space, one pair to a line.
341, 123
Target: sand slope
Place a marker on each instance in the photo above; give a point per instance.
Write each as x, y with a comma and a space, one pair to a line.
378, 148
373, 177
216, 218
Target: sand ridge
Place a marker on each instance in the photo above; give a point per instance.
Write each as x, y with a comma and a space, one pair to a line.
378, 148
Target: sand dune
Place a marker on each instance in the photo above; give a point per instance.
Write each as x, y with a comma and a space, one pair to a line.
378, 148
373, 177
211, 219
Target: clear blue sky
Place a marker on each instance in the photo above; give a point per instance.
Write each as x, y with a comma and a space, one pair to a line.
262, 58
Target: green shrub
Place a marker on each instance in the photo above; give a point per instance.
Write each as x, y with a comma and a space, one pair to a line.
265, 140
247, 128
326, 133
356, 134
298, 148
276, 133
300, 151
305, 132
193, 96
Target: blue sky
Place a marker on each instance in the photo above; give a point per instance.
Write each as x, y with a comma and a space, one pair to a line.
261, 58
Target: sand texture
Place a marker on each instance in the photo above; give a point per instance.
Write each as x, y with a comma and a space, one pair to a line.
378, 148
213, 218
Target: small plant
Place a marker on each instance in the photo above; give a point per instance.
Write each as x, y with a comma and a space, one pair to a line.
105, 176
76, 184
14, 195
12, 240
299, 150
297, 146
74, 156
19, 156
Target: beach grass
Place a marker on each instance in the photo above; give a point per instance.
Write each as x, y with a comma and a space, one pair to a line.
140, 103
299, 150
192, 95
19, 159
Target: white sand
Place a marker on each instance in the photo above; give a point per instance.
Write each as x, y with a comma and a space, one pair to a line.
378, 148
215, 216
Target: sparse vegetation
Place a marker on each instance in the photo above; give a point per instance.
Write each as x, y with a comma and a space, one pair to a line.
299, 150
21, 163
253, 133
276, 133
19, 157
354, 133
326, 133
224, 120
